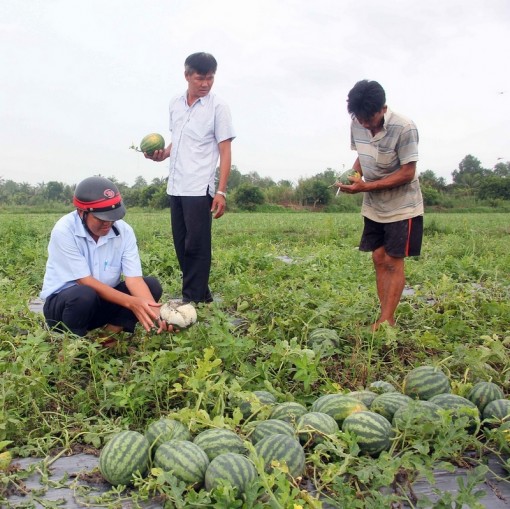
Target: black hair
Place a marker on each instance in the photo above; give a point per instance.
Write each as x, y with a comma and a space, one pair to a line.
201, 63
365, 99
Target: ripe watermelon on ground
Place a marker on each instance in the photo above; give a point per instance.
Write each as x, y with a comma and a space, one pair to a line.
151, 143
289, 411
282, 448
497, 409
380, 387
419, 414
387, 403
231, 468
312, 426
216, 441
459, 407
253, 402
338, 406
323, 340
425, 382
262, 429
373, 431
164, 430
125, 454
366, 397
483, 393
183, 459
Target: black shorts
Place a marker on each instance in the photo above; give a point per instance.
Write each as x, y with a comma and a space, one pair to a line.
400, 239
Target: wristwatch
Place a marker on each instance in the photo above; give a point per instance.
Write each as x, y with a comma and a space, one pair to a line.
222, 194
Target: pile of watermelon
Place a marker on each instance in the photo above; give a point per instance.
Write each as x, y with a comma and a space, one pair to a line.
283, 433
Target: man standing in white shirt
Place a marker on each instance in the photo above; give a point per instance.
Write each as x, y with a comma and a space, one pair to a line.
202, 132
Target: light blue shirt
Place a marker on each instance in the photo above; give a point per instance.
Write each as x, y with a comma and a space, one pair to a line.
196, 131
73, 254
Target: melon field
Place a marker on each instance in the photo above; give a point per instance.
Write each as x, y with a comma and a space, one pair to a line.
276, 279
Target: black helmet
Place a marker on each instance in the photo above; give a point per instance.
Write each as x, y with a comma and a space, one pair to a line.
100, 197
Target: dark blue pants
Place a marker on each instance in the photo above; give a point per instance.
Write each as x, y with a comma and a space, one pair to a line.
79, 309
191, 221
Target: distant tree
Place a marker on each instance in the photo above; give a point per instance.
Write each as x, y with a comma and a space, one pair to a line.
429, 178
140, 182
248, 196
313, 192
502, 169
494, 187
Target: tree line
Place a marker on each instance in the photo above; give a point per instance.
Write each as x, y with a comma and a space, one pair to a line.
470, 181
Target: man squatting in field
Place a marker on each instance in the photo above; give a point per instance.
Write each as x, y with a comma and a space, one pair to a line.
202, 131
89, 250
387, 146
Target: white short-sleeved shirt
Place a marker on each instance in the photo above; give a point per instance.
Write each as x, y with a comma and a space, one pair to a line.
196, 131
73, 254
380, 156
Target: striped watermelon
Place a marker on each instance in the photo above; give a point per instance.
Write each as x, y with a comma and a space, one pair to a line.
151, 143
313, 425
418, 413
263, 429
497, 409
483, 393
125, 454
380, 387
231, 468
366, 397
217, 441
289, 411
283, 449
460, 407
254, 402
425, 382
373, 431
387, 403
164, 430
184, 459
324, 341
338, 406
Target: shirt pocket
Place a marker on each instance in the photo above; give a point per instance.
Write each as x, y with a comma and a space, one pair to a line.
111, 275
199, 130
386, 158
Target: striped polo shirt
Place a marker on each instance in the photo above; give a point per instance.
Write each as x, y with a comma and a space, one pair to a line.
381, 155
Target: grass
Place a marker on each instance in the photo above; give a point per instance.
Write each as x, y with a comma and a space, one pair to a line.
275, 277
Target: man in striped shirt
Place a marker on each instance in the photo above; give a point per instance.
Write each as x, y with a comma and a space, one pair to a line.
387, 147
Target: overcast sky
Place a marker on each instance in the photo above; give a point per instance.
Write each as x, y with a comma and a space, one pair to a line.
82, 80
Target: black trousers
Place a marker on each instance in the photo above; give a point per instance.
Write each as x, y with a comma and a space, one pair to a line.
191, 221
79, 309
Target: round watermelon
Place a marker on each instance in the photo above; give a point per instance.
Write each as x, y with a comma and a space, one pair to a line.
498, 409
125, 454
338, 406
151, 143
289, 411
283, 449
323, 341
254, 402
380, 387
183, 459
387, 403
425, 382
230, 468
366, 397
483, 393
312, 426
373, 431
216, 441
164, 430
262, 429
459, 407
418, 414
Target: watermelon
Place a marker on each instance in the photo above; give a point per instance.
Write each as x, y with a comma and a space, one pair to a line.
418, 413
183, 459
262, 429
231, 468
483, 393
338, 406
151, 143
387, 403
366, 397
323, 341
313, 425
380, 387
289, 411
256, 401
283, 449
125, 454
460, 407
373, 431
498, 409
164, 430
216, 441
425, 382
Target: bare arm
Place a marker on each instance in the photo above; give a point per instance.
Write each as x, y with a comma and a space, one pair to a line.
219, 202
